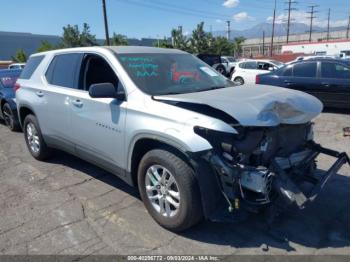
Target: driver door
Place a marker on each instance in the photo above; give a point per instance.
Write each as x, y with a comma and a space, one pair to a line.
98, 123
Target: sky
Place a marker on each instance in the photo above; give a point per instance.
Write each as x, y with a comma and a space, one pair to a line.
156, 18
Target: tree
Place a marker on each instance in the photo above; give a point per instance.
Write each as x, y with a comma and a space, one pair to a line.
201, 40
179, 41
238, 41
221, 46
20, 56
72, 37
45, 46
164, 43
118, 39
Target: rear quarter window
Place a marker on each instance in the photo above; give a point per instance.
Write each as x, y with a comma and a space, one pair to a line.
31, 66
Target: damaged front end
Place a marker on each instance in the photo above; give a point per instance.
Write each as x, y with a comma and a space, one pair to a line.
266, 166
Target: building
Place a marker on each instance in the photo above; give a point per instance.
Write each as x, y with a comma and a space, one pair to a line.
254, 47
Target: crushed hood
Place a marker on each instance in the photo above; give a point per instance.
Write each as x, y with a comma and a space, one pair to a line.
256, 105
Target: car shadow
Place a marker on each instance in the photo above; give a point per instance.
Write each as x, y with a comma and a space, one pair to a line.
323, 224
337, 111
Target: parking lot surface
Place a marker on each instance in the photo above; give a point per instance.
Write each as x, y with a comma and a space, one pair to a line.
67, 206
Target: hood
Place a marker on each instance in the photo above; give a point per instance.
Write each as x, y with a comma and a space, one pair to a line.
256, 105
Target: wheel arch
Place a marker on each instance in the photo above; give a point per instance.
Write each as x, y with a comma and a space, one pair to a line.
23, 111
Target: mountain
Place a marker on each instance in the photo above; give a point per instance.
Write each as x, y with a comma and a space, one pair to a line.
280, 30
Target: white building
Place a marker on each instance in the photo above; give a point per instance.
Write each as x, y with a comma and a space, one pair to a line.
332, 47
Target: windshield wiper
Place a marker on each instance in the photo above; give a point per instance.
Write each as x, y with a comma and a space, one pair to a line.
212, 88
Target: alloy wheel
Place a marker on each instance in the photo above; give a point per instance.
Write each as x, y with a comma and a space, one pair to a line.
162, 190
33, 138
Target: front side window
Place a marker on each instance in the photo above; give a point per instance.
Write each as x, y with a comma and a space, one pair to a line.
160, 74
305, 69
63, 70
334, 70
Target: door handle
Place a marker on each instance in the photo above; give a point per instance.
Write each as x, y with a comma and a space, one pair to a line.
77, 103
325, 84
39, 93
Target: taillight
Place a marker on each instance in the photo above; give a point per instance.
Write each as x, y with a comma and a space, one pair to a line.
257, 79
16, 87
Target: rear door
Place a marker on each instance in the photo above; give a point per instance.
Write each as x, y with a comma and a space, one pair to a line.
335, 81
305, 78
249, 71
62, 80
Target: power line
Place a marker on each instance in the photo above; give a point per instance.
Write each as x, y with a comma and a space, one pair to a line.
312, 17
290, 2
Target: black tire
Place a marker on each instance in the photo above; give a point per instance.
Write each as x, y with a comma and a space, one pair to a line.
190, 208
10, 118
221, 69
240, 80
44, 152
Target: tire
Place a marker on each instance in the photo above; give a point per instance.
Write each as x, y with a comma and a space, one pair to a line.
33, 136
240, 80
189, 209
221, 69
10, 118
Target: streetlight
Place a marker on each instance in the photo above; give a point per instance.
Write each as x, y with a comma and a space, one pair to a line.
105, 21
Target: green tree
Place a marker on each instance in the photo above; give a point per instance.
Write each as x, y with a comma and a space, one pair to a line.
163, 43
200, 40
20, 56
221, 46
118, 39
179, 41
45, 46
72, 37
238, 41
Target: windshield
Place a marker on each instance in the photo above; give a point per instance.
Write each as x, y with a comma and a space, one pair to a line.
161, 74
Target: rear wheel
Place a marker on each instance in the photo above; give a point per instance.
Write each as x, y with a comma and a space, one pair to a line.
221, 69
34, 139
169, 190
239, 80
10, 118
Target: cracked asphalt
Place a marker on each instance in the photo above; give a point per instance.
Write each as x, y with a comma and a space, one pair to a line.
67, 206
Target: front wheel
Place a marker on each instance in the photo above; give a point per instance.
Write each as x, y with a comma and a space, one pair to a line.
169, 190
239, 80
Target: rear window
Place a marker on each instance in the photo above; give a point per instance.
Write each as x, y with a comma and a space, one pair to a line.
31, 66
249, 65
305, 69
63, 70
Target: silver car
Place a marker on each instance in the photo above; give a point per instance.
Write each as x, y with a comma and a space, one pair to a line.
194, 144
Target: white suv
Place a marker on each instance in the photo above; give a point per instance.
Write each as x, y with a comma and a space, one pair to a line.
193, 143
246, 71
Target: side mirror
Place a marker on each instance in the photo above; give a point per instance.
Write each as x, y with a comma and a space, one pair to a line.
105, 90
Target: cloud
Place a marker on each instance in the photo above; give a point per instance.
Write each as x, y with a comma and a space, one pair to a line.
303, 17
230, 3
242, 16
219, 21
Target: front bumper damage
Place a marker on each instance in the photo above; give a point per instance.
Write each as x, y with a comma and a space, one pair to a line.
287, 189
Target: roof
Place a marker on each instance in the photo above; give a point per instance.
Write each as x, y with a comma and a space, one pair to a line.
319, 42
118, 50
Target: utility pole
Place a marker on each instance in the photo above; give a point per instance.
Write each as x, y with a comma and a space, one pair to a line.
329, 19
348, 30
273, 29
105, 21
312, 17
290, 9
228, 30
263, 44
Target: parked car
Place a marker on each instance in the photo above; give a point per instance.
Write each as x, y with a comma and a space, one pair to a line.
230, 63
327, 79
8, 108
246, 71
215, 62
160, 119
16, 66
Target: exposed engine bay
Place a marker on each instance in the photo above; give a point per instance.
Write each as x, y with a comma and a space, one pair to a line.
260, 164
